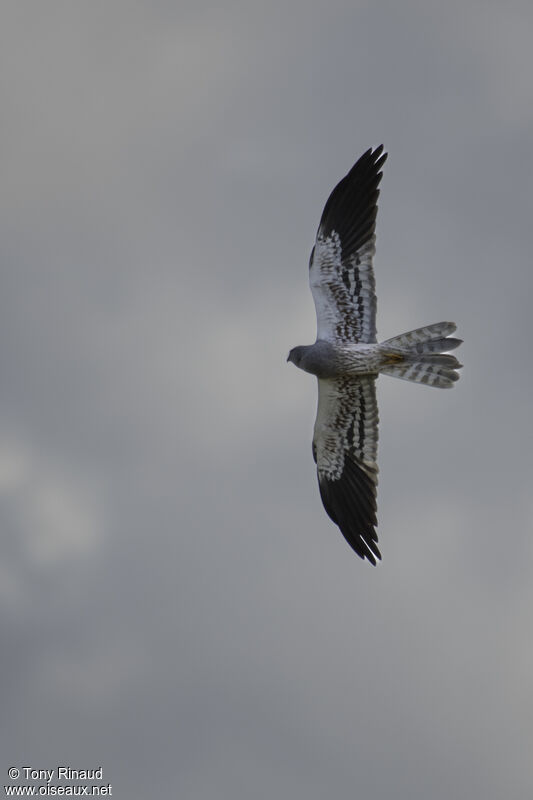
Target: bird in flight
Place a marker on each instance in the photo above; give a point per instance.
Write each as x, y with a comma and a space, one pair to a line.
347, 359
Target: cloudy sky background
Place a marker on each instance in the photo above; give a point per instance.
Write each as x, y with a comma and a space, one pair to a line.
175, 606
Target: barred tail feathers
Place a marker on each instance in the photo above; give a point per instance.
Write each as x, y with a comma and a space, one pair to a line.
420, 356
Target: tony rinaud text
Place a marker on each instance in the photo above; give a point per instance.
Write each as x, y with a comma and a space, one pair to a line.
62, 774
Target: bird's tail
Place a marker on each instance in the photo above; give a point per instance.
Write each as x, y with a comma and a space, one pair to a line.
420, 356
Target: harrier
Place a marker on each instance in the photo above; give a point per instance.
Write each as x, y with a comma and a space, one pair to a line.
347, 359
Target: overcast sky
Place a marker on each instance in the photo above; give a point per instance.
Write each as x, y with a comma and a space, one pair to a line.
175, 605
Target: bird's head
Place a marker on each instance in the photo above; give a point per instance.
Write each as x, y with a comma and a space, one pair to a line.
296, 355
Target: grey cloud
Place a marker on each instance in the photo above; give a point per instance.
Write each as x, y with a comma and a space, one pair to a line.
175, 605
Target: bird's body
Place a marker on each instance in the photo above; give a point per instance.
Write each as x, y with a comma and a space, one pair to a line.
346, 357
327, 360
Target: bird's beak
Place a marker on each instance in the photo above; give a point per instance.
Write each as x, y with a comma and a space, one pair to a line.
288, 357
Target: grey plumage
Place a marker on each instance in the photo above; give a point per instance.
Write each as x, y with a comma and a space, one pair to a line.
347, 359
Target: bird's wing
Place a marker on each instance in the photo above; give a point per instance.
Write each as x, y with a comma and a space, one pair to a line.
340, 268
345, 451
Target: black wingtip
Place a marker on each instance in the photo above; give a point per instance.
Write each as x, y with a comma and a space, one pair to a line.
350, 502
376, 159
351, 208
379, 157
